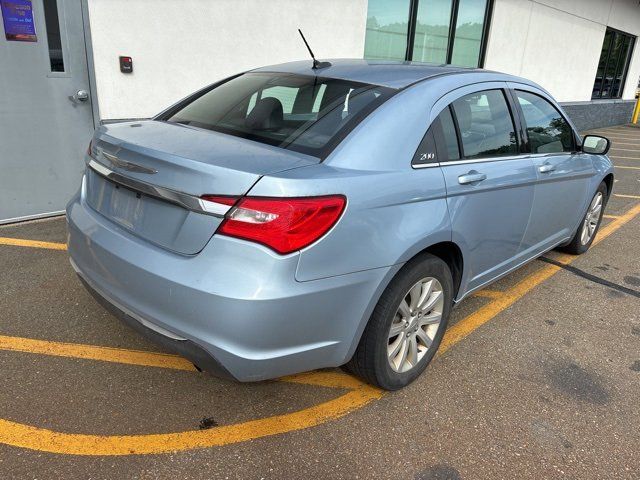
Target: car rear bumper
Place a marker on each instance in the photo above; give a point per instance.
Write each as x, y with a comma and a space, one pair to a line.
235, 309
186, 348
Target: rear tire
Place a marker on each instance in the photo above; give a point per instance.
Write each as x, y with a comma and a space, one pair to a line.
404, 320
590, 223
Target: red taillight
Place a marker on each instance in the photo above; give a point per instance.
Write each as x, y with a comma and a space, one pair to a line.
225, 200
283, 224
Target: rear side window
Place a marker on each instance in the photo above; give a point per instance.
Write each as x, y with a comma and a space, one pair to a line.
547, 130
297, 112
485, 125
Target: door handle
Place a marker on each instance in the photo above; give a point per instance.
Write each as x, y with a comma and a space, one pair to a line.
546, 168
471, 177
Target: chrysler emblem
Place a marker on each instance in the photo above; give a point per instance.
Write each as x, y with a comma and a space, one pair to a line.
124, 165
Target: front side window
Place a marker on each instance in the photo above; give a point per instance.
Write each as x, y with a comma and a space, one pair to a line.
297, 112
485, 125
547, 130
615, 57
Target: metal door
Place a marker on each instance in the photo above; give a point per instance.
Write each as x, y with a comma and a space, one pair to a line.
46, 118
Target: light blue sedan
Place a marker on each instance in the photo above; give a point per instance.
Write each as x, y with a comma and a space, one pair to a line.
295, 217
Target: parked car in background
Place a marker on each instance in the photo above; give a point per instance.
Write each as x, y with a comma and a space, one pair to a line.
291, 218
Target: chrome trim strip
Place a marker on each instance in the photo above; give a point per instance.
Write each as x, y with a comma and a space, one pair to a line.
493, 159
132, 167
425, 165
185, 200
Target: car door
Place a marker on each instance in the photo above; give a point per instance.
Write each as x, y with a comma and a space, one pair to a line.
563, 173
489, 181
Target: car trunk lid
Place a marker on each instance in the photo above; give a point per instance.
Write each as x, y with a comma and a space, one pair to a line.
155, 156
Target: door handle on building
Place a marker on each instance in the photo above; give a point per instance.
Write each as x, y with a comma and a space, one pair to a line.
80, 96
471, 177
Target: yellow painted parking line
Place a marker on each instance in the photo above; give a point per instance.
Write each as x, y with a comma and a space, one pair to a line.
94, 352
35, 438
626, 158
618, 141
614, 217
623, 143
614, 148
486, 293
481, 316
146, 359
627, 167
620, 195
618, 133
20, 242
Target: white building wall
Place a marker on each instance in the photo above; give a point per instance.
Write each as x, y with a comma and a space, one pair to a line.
545, 39
179, 46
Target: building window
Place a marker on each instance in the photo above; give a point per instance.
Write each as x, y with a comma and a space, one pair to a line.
387, 28
434, 31
613, 65
54, 39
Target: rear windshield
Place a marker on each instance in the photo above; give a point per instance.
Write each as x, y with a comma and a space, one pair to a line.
297, 112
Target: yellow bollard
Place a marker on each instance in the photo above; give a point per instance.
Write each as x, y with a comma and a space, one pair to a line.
636, 112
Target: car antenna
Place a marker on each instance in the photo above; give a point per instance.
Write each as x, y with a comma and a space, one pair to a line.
316, 63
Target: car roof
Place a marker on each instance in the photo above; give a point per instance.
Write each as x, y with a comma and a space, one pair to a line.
388, 73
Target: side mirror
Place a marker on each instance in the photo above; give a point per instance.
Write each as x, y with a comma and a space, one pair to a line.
595, 145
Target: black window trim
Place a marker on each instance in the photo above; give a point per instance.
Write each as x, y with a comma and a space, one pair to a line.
625, 66
523, 122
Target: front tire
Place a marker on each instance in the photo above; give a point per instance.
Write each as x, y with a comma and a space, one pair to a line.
590, 223
406, 326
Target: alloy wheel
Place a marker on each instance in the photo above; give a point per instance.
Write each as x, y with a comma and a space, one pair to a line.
591, 219
415, 324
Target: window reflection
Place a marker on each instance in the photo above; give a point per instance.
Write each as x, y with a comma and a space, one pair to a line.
432, 31
468, 36
387, 29
425, 27
548, 132
613, 65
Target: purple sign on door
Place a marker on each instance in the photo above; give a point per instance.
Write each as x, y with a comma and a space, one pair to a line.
17, 16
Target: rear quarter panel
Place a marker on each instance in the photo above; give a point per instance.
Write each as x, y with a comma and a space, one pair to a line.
390, 216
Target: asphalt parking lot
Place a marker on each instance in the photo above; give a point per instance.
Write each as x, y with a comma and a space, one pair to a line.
538, 377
